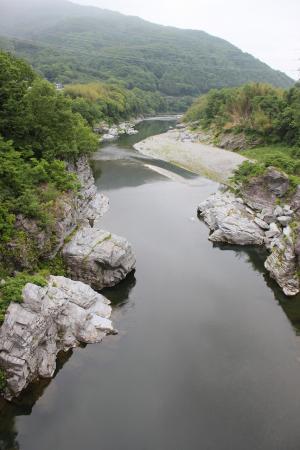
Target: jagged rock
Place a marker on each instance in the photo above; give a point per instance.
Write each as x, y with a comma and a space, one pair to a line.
276, 181
278, 211
111, 133
267, 215
284, 220
282, 265
287, 211
295, 204
262, 191
98, 257
261, 223
229, 221
71, 209
234, 141
50, 319
273, 231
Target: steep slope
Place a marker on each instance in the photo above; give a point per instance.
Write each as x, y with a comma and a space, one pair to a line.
68, 42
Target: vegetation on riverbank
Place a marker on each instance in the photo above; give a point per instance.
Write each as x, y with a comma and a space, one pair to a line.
283, 158
112, 103
39, 134
260, 113
258, 110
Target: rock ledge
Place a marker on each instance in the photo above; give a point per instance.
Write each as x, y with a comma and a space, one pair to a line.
233, 221
51, 319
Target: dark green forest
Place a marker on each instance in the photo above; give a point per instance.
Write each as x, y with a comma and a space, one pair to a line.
39, 134
108, 46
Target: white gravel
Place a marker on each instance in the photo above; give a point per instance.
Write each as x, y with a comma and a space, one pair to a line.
206, 160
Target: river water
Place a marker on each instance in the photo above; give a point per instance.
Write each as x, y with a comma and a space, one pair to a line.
208, 353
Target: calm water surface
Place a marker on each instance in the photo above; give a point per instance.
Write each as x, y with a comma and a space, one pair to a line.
208, 353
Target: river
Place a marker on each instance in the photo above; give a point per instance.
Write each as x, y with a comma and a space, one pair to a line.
208, 351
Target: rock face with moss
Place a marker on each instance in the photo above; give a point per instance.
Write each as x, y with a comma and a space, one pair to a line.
72, 208
53, 318
256, 218
98, 257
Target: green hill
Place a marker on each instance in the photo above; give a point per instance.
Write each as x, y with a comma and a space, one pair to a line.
72, 43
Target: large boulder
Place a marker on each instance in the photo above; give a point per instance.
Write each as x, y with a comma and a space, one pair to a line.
282, 266
263, 191
50, 319
98, 258
230, 221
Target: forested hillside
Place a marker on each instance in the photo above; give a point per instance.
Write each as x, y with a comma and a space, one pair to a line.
71, 43
257, 109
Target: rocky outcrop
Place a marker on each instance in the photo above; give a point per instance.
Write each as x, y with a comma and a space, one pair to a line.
230, 221
236, 141
65, 312
110, 133
98, 257
282, 264
70, 210
234, 220
227, 140
82, 207
51, 319
263, 191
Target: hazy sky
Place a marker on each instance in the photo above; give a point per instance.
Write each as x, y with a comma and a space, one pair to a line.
268, 29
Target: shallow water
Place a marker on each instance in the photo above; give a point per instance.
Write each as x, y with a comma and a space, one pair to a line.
207, 355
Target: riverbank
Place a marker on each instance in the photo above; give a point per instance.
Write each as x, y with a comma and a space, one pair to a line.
67, 309
178, 147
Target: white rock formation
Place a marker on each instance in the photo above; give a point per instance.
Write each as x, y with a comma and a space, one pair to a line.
233, 221
51, 319
98, 258
229, 221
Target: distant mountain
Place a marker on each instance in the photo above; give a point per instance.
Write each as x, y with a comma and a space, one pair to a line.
68, 42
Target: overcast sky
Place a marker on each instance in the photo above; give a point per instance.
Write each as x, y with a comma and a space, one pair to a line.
268, 29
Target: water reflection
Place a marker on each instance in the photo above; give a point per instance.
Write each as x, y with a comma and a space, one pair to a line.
119, 294
23, 405
256, 257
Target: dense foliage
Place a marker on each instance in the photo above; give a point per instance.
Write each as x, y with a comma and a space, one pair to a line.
39, 133
258, 110
11, 291
112, 102
71, 43
286, 159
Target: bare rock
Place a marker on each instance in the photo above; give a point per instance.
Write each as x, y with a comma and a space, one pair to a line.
274, 231
263, 191
50, 319
295, 204
230, 221
261, 223
236, 141
282, 265
98, 258
284, 220
71, 209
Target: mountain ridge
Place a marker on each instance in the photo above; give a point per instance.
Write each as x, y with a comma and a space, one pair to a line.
76, 43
